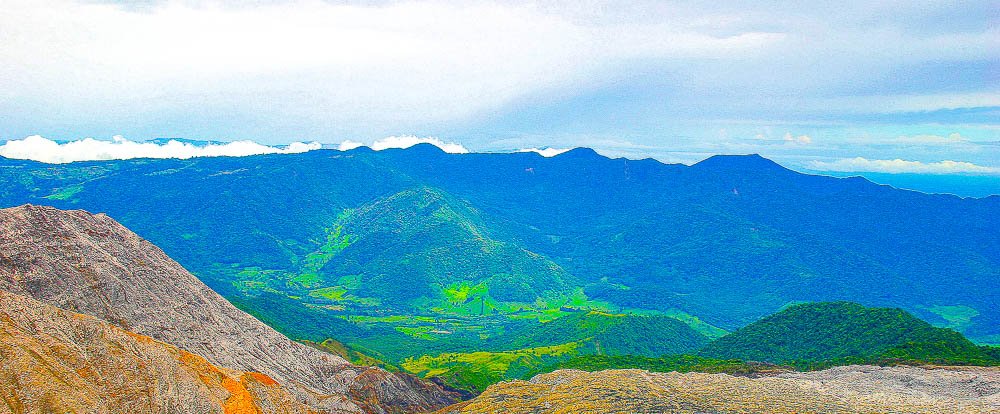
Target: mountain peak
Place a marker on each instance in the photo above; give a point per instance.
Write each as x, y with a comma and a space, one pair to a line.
422, 196
748, 162
580, 153
425, 148
415, 209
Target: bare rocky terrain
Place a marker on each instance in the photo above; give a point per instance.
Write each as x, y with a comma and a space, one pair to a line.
56, 361
849, 389
90, 264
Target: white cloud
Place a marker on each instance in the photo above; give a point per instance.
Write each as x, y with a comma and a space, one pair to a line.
266, 70
546, 151
349, 145
801, 139
397, 63
406, 141
41, 149
898, 166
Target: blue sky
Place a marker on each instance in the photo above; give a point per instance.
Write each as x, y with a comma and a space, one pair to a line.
841, 86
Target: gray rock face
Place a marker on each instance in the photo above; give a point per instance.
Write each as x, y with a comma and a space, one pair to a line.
57, 361
848, 390
90, 264
976, 387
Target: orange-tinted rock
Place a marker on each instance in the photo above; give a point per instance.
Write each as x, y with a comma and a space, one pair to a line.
59, 361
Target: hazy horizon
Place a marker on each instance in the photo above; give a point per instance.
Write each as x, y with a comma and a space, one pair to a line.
855, 85
961, 179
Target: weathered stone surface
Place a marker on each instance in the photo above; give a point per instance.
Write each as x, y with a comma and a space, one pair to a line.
56, 361
851, 389
90, 264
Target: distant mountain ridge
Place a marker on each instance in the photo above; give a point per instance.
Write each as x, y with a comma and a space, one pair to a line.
728, 240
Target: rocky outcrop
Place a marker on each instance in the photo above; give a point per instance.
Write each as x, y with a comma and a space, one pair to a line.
90, 264
56, 361
851, 389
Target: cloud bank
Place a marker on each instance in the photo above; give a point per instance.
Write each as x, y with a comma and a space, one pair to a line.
335, 68
898, 166
38, 148
545, 152
42, 149
406, 141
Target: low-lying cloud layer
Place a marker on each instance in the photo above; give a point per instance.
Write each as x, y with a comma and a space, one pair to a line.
546, 152
42, 149
898, 166
38, 148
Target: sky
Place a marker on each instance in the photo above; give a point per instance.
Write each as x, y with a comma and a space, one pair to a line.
849, 86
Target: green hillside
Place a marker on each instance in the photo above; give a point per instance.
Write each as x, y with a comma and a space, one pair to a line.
528, 350
424, 249
418, 251
474, 371
613, 334
841, 332
679, 363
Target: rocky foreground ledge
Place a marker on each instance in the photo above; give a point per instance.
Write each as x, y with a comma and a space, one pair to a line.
849, 389
55, 264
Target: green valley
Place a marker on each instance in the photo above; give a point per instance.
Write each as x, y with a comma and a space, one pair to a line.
479, 267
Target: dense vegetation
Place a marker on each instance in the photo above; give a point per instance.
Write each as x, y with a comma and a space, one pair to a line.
423, 257
804, 336
612, 334
418, 231
678, 363
816, 335
525, 351
474, 371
